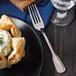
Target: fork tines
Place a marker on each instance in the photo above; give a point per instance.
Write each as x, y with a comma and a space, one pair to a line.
34, 13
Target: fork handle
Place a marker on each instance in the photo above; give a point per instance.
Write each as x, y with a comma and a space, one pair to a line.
56, 60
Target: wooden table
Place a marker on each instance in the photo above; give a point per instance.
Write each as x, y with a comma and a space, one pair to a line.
63, 40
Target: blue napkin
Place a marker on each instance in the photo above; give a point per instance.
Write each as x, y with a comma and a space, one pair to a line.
45, 8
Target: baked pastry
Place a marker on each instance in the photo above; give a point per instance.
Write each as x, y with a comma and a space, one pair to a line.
22, 4
11, 43
7, 24
18, 50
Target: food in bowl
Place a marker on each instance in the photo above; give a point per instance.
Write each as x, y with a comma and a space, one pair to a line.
11, 43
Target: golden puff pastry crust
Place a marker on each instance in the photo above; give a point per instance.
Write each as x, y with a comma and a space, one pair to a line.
7, 24
18, 52
15, 31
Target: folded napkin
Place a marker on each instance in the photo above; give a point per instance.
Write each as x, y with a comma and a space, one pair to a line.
45, 8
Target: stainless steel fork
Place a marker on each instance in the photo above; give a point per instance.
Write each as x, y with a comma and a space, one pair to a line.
39, 25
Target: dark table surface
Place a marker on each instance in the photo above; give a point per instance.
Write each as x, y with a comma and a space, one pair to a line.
63, 40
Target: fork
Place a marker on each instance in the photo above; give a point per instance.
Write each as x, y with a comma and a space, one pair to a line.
39, 25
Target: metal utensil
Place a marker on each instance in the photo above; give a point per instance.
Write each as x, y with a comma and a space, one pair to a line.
39, 25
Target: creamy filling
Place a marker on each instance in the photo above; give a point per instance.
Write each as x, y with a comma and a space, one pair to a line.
5, 42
